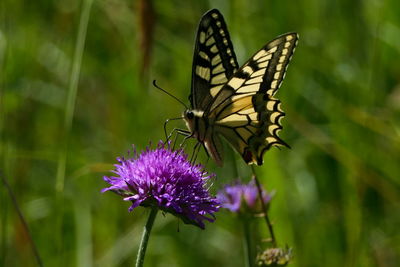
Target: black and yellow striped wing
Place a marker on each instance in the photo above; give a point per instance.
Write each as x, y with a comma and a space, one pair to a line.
244, 110
214, 61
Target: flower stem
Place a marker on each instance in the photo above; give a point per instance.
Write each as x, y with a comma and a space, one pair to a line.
264, 208
145, 237
248, 255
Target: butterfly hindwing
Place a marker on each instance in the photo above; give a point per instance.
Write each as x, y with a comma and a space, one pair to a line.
245, 111
214, 60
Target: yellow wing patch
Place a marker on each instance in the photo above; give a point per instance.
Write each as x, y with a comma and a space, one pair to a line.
245, 112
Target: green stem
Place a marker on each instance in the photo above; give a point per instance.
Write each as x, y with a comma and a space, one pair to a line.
72, 91
68, 118
22, 219
264, 208
248, 255
145, 237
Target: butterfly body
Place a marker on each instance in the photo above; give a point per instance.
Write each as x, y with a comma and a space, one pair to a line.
236, 103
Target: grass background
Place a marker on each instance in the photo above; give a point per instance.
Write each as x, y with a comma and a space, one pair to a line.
63, 123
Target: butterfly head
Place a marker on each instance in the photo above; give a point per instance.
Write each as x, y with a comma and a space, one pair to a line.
190, 116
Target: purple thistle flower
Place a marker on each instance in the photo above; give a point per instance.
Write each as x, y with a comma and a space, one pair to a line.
242, 197
165, 179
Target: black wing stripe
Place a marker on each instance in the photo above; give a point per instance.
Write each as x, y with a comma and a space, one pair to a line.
213, 51
228, 112
270, 63
259, 132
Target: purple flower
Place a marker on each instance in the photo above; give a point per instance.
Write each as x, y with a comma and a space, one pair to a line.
165, 179
242, 197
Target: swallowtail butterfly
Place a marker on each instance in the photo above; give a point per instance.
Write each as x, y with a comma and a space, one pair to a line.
236, 103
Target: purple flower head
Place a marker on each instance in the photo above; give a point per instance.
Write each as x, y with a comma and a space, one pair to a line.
242, 197
165, 179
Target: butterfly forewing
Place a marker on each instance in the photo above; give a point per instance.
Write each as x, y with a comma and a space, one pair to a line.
244, 110
214, 61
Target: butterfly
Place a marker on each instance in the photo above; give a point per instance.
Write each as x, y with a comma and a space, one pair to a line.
235, 103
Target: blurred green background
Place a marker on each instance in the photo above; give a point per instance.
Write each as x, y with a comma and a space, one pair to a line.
337, 191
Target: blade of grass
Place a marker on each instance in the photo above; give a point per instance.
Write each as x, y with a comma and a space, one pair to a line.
22, 219
3, 56
72, 91
83, 222
68, 117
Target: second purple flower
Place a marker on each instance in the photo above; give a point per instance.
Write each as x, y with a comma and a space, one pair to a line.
242, 198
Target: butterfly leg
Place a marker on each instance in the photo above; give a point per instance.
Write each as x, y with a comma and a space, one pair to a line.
176, 132
208, 157
186, 138
165, 127
205, 149
196, 151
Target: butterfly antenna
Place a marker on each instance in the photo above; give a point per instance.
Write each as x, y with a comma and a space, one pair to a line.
168, 93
